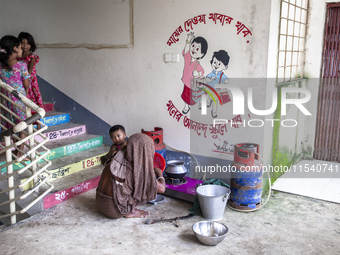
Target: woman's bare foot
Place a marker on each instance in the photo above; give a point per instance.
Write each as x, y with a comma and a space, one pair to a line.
136, 213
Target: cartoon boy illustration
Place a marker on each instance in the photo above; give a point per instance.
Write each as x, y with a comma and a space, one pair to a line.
219, 63
194, 50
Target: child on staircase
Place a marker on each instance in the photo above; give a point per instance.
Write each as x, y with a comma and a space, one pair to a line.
28, 47
119, 138
15, 74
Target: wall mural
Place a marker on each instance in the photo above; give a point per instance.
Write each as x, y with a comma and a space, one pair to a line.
206, 86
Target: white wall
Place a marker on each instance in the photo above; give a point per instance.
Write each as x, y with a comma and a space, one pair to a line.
131, 84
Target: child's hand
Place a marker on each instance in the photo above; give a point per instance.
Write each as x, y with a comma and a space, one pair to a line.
103, 160
195, 74
190, 36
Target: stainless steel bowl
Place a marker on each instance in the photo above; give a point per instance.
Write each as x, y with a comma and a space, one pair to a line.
210, 232
158, 199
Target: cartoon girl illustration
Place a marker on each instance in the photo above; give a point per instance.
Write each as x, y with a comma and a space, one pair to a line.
194, 50
219, 63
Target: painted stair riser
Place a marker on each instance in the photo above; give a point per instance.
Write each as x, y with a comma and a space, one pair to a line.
68, 170
56, 119
75, 148
62, 134
64, 151
60, 196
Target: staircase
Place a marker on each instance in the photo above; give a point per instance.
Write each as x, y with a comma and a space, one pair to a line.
75, 157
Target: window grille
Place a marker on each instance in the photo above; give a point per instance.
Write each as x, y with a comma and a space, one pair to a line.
292, 37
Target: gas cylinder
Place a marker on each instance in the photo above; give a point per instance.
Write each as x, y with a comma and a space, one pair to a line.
157, 137
246, 177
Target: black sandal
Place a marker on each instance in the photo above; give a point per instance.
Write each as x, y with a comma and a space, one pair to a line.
185, 112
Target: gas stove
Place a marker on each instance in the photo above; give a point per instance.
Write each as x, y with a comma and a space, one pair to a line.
175, 181
183, 188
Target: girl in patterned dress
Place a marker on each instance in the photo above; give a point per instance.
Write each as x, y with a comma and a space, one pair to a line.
15, 74
28, 47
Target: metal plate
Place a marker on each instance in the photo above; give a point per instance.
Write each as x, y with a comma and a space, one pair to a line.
158, 199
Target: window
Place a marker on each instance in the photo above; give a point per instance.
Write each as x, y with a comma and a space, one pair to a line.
292, 37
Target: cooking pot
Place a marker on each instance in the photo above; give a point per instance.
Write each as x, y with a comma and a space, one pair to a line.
175, 169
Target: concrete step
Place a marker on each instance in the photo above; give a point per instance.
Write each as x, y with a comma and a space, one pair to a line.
63, 147
83, 181
75, 157
48, 106
70, 180
63, 131
71, 175
71, 164
55, 118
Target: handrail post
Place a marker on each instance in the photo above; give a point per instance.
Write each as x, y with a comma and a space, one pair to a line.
30, 131
10, 180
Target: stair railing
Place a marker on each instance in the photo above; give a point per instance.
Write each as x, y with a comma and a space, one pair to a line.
34, 151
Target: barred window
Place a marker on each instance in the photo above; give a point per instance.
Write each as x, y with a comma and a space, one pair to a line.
292, 37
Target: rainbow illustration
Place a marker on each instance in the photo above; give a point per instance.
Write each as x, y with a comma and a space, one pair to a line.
209, 92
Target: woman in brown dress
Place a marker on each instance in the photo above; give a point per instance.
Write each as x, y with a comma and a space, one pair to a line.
130, 180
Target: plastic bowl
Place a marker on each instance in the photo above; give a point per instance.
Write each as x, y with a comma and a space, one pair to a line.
159, 161
210, 232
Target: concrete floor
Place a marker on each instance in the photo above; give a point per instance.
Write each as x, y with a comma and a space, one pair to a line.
288, 224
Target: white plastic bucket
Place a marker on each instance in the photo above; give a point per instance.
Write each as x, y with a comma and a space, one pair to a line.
213, 200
